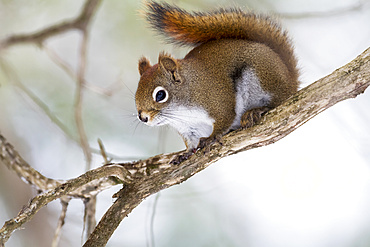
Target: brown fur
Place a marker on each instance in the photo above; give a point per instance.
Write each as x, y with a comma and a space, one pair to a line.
225, 40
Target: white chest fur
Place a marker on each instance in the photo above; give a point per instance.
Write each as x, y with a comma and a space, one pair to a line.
192, 123
249, 95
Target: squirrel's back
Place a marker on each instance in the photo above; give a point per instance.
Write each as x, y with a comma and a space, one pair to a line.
184, 28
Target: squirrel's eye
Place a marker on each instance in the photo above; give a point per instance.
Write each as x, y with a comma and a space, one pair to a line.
160, 95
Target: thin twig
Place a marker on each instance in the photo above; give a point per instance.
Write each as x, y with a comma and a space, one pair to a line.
84, 22
59, 62
58, 231
89, 215
69, 71
78, 101
80, 23
103, 152
12, 76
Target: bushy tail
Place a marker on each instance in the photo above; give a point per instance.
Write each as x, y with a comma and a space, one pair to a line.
184, 28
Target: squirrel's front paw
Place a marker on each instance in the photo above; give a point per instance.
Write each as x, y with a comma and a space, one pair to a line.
204, 142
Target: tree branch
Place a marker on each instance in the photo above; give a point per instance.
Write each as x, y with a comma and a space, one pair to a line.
61, 220
78, 100
155, 174
80, 22
69, 188
144, 178
10, 157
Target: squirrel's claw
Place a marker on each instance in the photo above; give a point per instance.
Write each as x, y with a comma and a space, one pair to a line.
182, 157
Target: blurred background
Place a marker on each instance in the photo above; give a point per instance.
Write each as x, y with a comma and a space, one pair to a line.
311, 189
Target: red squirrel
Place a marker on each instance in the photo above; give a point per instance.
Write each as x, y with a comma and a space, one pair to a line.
242, 65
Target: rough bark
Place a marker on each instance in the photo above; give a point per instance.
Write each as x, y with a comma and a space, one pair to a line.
155, 174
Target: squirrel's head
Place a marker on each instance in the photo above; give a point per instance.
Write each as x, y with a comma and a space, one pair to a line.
157, 89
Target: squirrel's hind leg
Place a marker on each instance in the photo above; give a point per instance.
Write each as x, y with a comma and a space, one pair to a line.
253, 116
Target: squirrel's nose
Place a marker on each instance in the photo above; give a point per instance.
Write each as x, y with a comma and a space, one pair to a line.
142, 119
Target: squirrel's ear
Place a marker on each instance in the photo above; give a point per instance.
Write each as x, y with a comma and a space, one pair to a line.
170, 65
144, 64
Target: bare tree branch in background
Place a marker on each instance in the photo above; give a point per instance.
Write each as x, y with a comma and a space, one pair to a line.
143, 178
81, 23
78, 98
85, 186
61, 220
